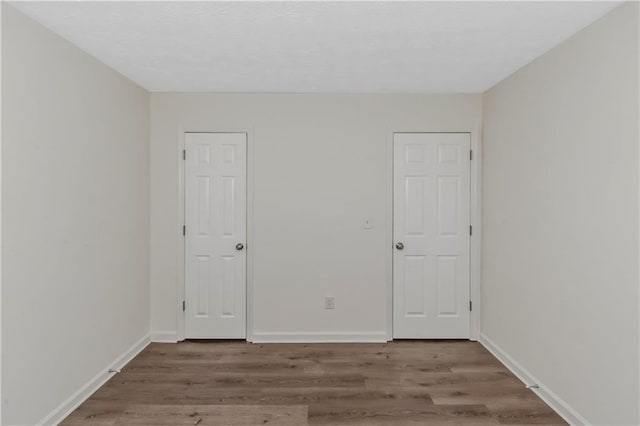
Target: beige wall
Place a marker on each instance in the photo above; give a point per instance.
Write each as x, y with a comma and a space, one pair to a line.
560, 219
75, 218
320, 167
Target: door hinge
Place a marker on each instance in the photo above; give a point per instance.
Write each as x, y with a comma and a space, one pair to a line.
184, 154
184, 229
470, 305
471, 155
470, 229
183, 306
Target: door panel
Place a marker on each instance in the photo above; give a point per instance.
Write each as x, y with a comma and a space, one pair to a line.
414, 275
215, 219
431, 220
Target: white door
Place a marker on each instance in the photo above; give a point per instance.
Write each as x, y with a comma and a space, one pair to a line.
431, 235
215, 235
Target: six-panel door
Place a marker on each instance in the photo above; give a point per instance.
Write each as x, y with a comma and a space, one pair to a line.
215, 237
431, 235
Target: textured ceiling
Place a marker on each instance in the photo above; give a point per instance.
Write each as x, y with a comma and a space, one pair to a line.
424, 47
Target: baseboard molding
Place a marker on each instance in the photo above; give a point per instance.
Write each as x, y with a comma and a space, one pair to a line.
547, 395
64, 409
164, 337
320, 337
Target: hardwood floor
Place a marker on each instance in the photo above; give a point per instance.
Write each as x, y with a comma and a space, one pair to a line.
237, 383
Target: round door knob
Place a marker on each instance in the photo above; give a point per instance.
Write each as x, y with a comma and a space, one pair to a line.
239, 246
399, 246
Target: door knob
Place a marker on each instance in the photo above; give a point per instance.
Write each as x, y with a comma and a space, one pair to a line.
399, 246
239, 246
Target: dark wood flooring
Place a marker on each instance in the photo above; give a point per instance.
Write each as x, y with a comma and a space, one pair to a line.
237, 383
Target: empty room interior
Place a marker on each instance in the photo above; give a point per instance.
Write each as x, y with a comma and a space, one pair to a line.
314, 212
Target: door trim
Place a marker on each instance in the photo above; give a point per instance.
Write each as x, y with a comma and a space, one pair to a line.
475, 244
180, 285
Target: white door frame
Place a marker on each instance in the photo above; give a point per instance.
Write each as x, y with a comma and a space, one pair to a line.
475, 273
180, 293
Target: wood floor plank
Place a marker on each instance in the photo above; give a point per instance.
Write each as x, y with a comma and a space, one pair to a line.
96, 412
392, 413
230, 380
397, 383
524, 412
206, 415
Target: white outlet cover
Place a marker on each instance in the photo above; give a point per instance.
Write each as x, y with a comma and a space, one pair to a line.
329, 302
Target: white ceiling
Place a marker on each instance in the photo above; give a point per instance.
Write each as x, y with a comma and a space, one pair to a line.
424, 47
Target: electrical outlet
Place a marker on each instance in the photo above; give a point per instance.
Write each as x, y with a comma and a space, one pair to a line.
328, 303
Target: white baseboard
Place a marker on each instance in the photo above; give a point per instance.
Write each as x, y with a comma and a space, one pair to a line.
546, 394
74, 401
320, 337
164, 337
